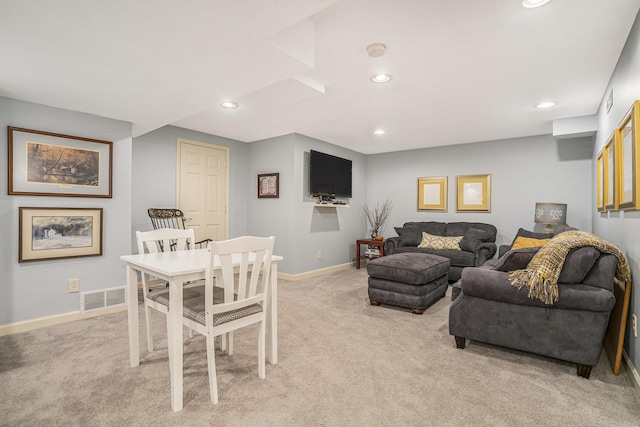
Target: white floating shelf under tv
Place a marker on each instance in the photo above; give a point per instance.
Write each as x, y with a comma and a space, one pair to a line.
330, 205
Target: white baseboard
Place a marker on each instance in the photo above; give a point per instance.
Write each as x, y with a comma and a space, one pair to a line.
314, 273
57, 319
633, 373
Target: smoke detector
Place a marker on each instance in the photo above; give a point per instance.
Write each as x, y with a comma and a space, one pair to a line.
376, 49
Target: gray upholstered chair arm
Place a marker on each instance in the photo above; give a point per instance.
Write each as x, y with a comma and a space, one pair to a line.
391, 244
484, 252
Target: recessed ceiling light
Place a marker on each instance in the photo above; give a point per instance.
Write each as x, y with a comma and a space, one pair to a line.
229, 104
530, 4
379, 132
544, 105
381, 78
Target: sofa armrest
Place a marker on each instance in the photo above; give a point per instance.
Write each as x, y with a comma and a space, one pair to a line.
484, 252
391, 244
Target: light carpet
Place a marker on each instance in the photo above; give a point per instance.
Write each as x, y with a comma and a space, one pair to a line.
341, 362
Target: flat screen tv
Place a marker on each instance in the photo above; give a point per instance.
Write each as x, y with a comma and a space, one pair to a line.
329, 175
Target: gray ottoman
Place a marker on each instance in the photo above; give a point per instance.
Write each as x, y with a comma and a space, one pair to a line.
409, 280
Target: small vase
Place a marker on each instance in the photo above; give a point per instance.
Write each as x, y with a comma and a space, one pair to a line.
374, 234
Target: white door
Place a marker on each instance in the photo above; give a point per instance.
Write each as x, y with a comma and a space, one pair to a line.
202, 188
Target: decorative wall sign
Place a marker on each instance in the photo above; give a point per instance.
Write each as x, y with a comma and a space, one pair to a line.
55, 233
432, 193
474, 193
269, 185
51, 164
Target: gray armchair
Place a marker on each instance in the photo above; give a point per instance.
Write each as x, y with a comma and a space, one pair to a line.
491, 310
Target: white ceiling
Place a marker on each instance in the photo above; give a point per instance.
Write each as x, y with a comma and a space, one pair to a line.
463, 70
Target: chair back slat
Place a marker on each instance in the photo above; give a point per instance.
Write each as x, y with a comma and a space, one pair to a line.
250, 284
162, 239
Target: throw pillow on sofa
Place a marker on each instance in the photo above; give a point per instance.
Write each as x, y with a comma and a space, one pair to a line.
516, 259
531, 235
408, 236
528, 242
440, 242
473, 238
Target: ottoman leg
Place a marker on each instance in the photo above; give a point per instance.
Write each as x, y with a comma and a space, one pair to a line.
417, 310
374, 302
460, 342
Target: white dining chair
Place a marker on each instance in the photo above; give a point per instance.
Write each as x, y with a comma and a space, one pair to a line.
245, 297
155, 292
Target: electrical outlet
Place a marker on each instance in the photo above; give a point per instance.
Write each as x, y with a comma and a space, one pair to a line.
319, 255
74, 285
634, 325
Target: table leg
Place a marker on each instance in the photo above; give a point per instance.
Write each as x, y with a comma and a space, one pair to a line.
357, 255
272, 316
174, 335
132, 311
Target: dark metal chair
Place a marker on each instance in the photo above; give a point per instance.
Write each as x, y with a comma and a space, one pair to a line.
171, 218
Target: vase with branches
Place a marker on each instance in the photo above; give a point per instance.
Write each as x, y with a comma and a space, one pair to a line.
377, 216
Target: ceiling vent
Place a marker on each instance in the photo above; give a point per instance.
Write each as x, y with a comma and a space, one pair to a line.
376, 49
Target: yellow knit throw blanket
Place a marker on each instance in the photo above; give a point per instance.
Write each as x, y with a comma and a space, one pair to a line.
542, 273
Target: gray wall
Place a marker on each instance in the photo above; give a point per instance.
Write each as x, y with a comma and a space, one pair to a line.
40, 288
301, 229
523, 171
622, 228
154, 176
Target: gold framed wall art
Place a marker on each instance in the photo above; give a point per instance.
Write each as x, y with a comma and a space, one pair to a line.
610, 176
599, 183
432, 193
628, 156
474, 193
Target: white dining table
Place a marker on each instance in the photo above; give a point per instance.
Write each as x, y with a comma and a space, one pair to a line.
177, 268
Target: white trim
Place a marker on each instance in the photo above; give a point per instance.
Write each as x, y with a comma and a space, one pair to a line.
314, 273
632, 373
57, 319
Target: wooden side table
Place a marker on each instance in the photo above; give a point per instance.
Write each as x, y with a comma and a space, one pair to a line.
368, 242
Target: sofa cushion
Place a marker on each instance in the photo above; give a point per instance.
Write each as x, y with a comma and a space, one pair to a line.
474, 237
577, 264
531, 234
409, 236
440, 242
460, 229
528, 242
516, 259
457, 257
409, 267
431, 227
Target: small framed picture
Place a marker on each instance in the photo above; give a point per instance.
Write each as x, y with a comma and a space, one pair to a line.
52, 164
432, 193
55, 233
474, 193
269, 185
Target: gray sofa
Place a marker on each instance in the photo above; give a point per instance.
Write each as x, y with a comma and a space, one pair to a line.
491, 310
476, 247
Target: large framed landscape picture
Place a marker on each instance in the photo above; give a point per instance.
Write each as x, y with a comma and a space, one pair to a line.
50, 164
54, 233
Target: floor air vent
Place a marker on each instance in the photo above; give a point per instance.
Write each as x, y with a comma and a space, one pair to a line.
104, 298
